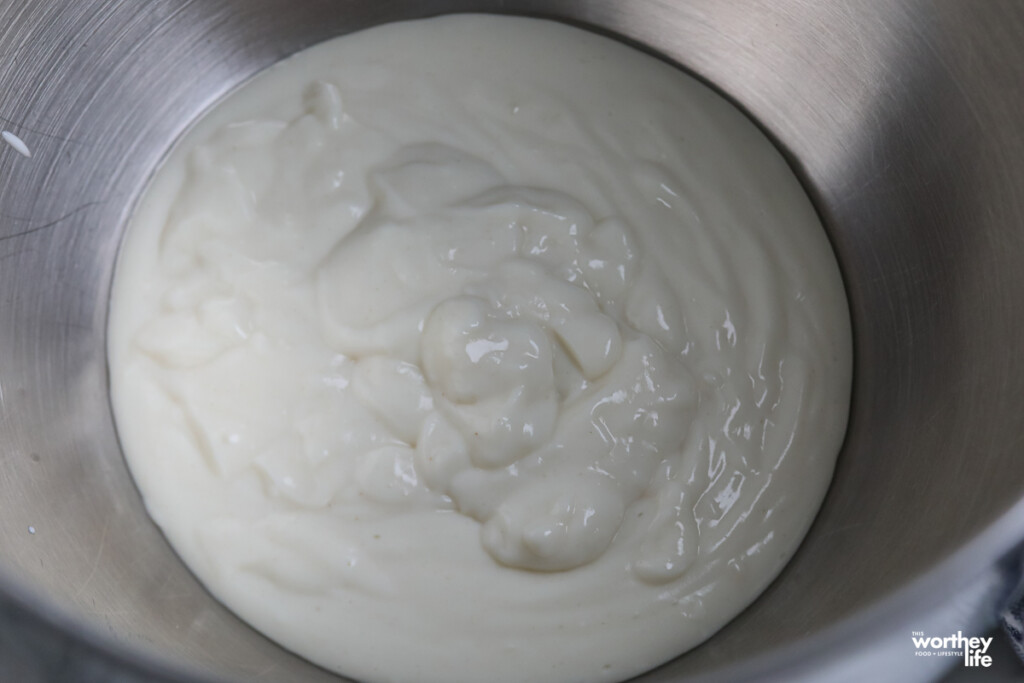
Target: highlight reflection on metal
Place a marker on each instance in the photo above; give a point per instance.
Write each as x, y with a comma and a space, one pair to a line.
904, 118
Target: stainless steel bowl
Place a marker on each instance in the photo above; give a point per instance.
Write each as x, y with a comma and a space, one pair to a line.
904, 118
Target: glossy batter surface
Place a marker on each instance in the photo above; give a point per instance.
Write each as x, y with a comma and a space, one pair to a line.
480, 348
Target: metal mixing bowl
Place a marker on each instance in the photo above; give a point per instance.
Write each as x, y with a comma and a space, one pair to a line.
904, 119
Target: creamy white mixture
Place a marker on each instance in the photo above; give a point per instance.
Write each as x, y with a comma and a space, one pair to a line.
480, 348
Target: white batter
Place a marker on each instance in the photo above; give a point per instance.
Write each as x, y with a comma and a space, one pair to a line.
480, 348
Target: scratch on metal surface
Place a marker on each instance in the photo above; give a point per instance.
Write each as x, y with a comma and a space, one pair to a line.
110, 613
39, 133
14, 254
96, 560
839, 530
1, 396
29, 231
270, 669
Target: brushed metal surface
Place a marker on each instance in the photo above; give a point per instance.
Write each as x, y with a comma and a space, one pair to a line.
903, 117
